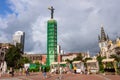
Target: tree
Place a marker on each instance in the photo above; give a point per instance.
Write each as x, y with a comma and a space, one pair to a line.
69, 61
116, 57
13, 55
85, 60
79, 57
22, 61
99, 59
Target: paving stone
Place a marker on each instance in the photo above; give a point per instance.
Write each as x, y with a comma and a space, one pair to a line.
39, 76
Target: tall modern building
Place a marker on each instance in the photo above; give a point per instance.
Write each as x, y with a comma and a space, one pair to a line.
58, 49
19, 37
51, 39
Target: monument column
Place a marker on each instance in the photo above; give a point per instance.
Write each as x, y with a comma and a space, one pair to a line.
51, 39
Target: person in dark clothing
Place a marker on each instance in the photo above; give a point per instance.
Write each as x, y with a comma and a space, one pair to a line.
27, 72
11, 71
44, 72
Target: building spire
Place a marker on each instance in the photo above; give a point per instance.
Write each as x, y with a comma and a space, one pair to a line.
52, 11
107, 37
99, 38
103, 35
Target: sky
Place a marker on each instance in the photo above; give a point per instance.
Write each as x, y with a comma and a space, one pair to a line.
79, 22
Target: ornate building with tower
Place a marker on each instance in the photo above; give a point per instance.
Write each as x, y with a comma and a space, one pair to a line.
107, 46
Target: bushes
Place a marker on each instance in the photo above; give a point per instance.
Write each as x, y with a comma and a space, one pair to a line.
101, 68
34, 70
34, 67
47, 68
118, 71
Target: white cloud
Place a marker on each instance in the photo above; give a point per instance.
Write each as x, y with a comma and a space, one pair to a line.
39, 33
3, 23
3, 38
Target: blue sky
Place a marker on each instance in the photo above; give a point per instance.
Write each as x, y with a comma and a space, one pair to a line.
4, 7
79, 22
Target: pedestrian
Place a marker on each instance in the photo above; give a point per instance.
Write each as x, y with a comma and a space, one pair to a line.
61, 70
0, 73
44, 72
75, 69
11, 71
27, 72
23, 71
20, 71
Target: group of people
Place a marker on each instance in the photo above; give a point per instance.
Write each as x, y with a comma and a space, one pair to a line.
11, 71
54, 70
57, 70
80, 70
24, 71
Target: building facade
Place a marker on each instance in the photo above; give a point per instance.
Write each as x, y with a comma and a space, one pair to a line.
71, 56
103, 39
107, 46
3, 48
34, 57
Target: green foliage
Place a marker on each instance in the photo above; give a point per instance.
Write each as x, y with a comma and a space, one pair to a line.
85, 60
79, 57
99, 59
47, 68
69, 61
118, 68
12, 56
22, 61
101, 68
116, 57
37, 63
35, 67
63, 65
109, 65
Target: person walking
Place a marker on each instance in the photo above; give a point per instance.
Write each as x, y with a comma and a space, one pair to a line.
11, 71
75, 69
0, 74
27, 71
44, 72
61, 71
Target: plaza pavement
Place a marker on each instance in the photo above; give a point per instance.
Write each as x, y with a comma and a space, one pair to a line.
38, 76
